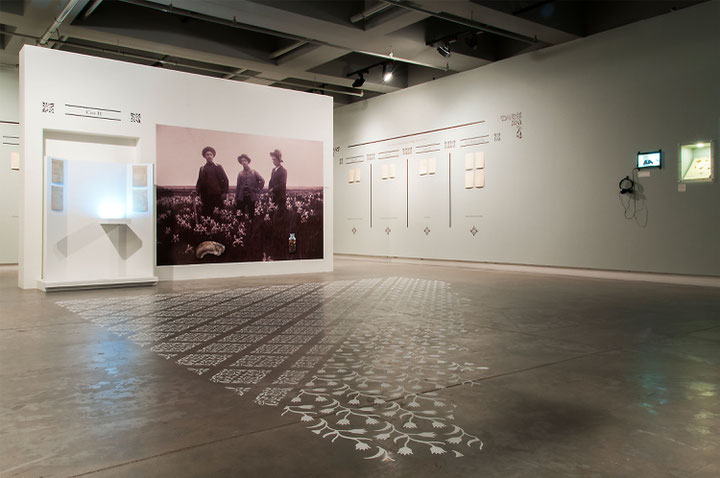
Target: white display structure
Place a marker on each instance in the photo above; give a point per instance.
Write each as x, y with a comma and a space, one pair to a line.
98, 228
71, 103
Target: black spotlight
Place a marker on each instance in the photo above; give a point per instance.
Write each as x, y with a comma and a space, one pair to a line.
472, 41
359, 81
444, 49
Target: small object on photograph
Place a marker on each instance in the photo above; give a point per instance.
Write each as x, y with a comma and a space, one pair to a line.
209, 247
57, 171
139, 178
393, 171
140, 200
480, 160
351, 175
384, 171
469, 179
480, 178
292, 243
423, 167
15, 161
56, 198
432, 166
469, 161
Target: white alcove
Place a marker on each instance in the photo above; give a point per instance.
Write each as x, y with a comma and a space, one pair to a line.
97, 214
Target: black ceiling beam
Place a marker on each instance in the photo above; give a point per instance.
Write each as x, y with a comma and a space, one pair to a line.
467, 22
244, 26
177, 62
220, 21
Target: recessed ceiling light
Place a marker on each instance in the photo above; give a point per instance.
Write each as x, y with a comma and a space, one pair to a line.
387, 72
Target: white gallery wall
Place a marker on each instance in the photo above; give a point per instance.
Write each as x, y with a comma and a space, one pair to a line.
9, 178
106, 111
557, 130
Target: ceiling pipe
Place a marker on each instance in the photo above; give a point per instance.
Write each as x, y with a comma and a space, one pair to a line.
288, 49
91, 9
220, 21
369, 12
58, 21
56, 44
236, 73
366, 70
358, 94
252, 28
466, 22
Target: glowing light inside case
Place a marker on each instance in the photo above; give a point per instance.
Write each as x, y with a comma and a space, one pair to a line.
696, 162
652, 159
111, 209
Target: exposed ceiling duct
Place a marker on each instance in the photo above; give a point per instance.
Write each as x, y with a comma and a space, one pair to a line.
58, 21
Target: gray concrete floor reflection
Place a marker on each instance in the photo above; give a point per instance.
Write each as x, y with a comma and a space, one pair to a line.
375, 369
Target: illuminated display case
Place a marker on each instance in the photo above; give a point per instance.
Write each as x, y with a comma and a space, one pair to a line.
696, 162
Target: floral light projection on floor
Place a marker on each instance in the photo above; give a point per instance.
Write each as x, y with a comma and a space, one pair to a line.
360, 361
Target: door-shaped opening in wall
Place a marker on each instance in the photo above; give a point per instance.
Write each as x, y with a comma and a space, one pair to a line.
97, 226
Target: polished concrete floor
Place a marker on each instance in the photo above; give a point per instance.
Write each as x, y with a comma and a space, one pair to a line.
376, 369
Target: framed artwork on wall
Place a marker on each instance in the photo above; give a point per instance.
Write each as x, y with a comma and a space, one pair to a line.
226, 197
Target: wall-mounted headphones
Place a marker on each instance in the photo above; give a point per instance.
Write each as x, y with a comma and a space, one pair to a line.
627, 185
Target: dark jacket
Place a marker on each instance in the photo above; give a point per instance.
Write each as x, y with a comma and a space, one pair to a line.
278, 181
253, 181
212, 180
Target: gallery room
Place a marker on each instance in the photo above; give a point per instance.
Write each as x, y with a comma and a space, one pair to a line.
359, 238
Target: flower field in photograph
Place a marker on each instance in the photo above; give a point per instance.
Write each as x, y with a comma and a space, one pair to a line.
181, 227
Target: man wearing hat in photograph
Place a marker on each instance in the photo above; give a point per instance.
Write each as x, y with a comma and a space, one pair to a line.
278, 181
212, 183
249, 184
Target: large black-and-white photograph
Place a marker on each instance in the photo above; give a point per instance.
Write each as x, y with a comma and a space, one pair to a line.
235, 197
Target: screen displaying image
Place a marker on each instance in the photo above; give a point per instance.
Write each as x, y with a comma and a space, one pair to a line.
651, 159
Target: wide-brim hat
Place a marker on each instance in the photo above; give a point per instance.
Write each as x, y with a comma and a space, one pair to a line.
246, 157
276, 154
208, 148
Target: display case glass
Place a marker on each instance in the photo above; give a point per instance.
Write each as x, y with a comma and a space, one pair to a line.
696, 162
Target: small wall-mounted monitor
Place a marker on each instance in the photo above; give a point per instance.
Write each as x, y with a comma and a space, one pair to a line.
650, 159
